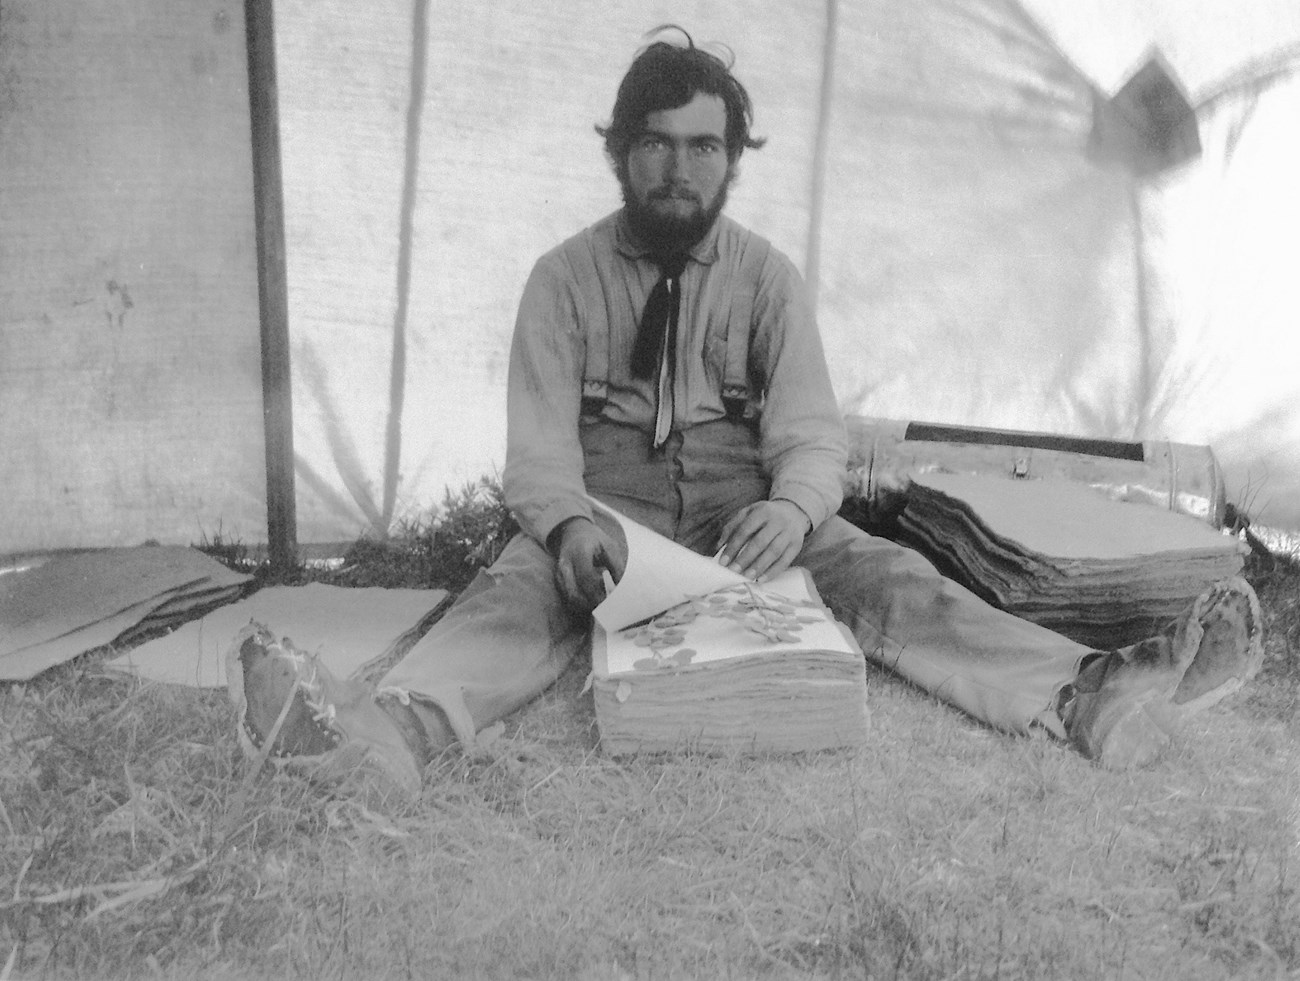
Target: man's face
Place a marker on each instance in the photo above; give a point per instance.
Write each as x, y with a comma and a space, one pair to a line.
677, 172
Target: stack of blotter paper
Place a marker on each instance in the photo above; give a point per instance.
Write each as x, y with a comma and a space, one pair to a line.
1105, 573
687, 655
75, 602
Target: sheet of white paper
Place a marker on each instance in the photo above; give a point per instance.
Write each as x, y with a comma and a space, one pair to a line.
659, 574
739, 621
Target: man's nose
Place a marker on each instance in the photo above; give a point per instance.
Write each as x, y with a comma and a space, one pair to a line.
679, 161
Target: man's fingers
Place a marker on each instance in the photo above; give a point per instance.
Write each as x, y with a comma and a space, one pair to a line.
737, 532
593, 588
611, 560
764, 562
782, 563
761, 540
753, 553
732, 524
565, 579
579, 581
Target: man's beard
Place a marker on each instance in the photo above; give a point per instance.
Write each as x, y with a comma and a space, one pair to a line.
665, 233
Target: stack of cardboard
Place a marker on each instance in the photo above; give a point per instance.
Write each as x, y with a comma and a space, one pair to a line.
73, 603
1105, 573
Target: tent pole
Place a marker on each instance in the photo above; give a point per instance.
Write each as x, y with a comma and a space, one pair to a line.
272, 286
818, 188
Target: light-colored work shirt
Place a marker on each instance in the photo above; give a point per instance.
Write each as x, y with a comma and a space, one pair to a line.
600, 280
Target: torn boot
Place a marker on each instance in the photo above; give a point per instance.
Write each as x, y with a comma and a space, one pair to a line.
287, 697
1127, 703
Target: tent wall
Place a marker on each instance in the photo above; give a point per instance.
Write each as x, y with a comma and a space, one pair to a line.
980, 268
1222, 247
130, 391
978, 261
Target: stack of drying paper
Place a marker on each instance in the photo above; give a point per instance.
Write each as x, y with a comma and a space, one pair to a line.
1105, 573
688, 655
72, 603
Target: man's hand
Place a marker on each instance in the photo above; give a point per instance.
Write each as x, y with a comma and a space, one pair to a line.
581, 552
761, 540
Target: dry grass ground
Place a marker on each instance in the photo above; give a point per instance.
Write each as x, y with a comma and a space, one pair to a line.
137, 843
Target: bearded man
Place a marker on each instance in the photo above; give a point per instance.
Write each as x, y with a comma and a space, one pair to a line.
666, 362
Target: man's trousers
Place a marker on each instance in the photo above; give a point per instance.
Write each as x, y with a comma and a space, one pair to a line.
510, 635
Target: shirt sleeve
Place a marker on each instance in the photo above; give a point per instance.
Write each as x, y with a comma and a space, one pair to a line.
804, 447
544, 463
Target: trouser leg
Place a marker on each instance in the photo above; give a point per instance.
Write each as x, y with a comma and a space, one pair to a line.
506, 639
1000, 669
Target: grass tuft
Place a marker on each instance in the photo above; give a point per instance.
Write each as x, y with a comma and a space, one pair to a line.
1275, 694
229, 551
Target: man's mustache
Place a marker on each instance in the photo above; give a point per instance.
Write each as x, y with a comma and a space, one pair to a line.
674, 194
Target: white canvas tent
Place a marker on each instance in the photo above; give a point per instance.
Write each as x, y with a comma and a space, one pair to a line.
974, 198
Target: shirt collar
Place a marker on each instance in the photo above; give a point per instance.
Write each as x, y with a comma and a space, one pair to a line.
704, 251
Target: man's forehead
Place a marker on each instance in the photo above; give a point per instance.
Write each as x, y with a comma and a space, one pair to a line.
704, 115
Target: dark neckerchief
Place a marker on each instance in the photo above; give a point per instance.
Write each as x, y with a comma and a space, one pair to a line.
656, 336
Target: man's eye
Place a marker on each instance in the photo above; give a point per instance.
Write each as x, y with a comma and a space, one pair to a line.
652, 143
706, 149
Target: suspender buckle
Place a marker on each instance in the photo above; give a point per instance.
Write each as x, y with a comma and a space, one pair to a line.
595, 393
735, 399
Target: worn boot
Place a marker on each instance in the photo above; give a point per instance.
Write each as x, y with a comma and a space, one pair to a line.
287, 697
1127, 703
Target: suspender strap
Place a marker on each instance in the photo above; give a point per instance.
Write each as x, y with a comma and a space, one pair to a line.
738, 396
735, 377
595, 374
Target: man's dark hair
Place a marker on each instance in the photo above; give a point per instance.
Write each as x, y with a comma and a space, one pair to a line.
668, 76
